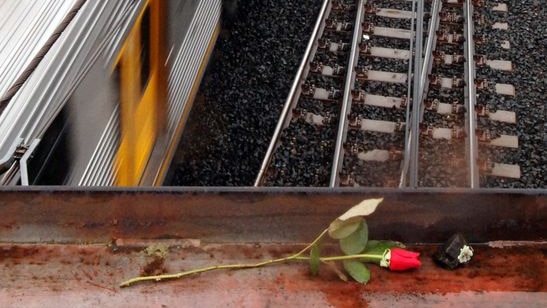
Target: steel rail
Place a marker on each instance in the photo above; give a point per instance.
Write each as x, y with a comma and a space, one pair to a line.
413, 137
471, 141
293, 94
346, 100
428, 54
408, 134
416, 104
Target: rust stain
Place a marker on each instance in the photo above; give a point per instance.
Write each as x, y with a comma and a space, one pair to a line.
154, 267
15, 252
348, 295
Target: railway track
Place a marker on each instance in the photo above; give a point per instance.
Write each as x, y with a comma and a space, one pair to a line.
324, 139
497, 133
444, 138
457, 121
379, 106
373, 133
303, 152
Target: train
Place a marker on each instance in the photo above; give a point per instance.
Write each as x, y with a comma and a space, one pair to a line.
97, 93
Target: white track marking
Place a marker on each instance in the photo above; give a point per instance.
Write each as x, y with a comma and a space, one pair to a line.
506, 141
374, 155
378, 126
383, 101
505, 89
386, 76
503, 116
500, 26
391, 53
393, 32
392, 13
506, 171
500, 7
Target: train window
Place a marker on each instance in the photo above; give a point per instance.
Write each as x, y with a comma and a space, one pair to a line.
50, 163
145, 48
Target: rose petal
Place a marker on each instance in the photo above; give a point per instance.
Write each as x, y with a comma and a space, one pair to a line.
405, 253
402, 260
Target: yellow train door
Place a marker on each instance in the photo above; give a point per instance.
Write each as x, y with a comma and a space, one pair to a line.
143, 92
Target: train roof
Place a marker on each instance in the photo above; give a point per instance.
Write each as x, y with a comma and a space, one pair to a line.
25, 26
94, 33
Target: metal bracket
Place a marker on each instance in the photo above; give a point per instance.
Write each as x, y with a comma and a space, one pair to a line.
19, 152
7, 161
23, 168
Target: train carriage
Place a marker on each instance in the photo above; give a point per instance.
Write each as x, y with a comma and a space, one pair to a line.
108, 101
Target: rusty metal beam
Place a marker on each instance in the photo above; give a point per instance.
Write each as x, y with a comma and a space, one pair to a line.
89, 275
105, 233
244, 215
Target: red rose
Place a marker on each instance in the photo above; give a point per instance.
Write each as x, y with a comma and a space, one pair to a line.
402, 260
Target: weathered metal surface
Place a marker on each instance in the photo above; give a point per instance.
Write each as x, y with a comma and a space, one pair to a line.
204, 226
89, 275
264, 215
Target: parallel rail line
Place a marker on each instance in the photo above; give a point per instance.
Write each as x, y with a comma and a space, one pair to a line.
406, 112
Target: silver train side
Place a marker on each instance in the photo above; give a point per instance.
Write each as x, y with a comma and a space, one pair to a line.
64, 125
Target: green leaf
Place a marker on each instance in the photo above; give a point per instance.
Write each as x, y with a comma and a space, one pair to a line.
348, 222
315, 253
378, 247
357, 271
364, 208
339, 229
357, 241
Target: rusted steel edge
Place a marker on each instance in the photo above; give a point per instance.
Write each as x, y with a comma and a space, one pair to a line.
223, 215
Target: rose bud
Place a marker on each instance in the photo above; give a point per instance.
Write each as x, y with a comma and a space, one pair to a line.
456, 251
398, 259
